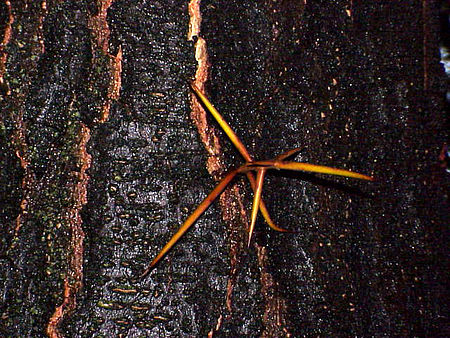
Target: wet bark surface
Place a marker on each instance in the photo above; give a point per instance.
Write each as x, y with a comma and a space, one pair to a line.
104, 153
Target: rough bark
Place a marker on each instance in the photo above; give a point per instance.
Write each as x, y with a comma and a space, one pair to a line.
104, 153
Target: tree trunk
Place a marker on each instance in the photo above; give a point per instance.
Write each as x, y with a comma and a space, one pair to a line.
104, 153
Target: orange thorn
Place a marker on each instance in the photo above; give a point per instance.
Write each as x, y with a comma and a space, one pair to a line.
256, 200
263, 208
225, 126
298, 166
288, 154
192, 218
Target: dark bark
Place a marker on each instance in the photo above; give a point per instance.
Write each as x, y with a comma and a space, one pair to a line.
103, 155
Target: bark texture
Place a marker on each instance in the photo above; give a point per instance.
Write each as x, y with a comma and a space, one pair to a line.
104, 153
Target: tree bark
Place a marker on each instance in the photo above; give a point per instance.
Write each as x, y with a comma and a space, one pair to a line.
104, 153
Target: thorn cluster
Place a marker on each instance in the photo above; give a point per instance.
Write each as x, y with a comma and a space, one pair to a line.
248, 168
